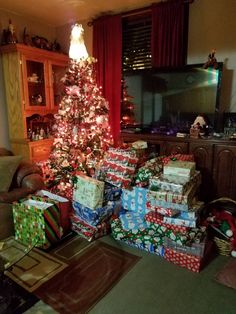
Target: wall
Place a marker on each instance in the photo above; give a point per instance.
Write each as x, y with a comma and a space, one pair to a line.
212, 24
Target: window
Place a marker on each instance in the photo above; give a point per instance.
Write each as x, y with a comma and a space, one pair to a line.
136, 52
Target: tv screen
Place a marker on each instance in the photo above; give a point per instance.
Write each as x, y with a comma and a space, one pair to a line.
168, 100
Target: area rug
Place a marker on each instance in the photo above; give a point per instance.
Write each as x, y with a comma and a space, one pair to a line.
71, 249
34, 268
87, 279
227, 275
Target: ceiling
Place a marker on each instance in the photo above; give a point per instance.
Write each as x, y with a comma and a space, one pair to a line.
60, 12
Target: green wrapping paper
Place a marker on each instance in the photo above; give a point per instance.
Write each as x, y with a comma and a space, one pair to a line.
37, 221
148, 236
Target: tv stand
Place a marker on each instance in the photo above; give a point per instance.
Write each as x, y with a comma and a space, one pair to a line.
215, 158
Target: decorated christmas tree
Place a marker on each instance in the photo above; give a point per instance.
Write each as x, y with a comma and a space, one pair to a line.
81, 130
127, 107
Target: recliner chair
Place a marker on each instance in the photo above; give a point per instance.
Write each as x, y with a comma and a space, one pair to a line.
27, 180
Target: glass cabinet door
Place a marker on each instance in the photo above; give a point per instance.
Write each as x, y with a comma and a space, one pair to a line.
36, 84
57, 86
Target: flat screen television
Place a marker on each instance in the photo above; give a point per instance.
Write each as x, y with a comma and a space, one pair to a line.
167, 101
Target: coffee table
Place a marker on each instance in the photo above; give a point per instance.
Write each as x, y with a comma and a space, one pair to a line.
10, 254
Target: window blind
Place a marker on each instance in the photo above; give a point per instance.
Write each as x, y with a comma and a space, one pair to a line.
136, 45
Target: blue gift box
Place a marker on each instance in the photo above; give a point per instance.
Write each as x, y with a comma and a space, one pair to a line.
111, 192
93, 216
135, 199
133, 221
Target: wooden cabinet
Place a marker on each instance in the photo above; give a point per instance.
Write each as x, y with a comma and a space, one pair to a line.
215, 158
224, 171
34, 89
203, 155
173, 147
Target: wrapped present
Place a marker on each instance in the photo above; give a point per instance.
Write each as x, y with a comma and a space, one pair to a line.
133, 221
37, 221
143, 176
180, 221
111, 192
196, 249
169, 205
157, 219
140, 148
173, 183
164, 231
194, 210
139, 145
64, 206
181, 157
189, 261
180, 168
162, 210
151, 168
156, 198
146, 240
119, 166
88, 191
93, 216
87, 231
134, 199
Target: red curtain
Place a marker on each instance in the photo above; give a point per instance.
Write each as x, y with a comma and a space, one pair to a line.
169, 33
107, 49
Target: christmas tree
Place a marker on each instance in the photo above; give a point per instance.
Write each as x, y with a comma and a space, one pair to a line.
127, 107
82, 132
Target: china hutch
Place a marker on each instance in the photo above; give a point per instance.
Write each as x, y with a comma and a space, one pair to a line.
34, 89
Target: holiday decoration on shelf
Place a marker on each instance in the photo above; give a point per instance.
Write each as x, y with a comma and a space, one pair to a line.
82, 132
200, 126
211, 62
127, 107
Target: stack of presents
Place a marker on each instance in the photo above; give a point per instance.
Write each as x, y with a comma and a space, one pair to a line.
147, 203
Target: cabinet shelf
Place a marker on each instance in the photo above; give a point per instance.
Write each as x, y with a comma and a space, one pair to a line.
26, 99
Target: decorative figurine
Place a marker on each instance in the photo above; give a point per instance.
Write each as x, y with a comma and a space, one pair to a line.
11, 34
211, 62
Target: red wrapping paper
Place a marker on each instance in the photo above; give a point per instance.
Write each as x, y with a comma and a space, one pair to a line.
188, 261
158, 219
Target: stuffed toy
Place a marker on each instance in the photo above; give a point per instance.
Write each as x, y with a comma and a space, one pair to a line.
227, 224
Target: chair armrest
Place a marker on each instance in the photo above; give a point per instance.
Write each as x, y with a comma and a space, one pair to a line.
25, 168
14, 195
33, 181
29, 185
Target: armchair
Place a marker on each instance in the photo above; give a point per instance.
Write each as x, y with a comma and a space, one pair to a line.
26, 180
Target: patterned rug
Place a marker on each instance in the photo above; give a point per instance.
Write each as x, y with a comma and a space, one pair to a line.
90, 275
32, 269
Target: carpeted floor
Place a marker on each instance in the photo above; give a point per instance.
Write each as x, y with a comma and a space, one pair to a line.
156, 286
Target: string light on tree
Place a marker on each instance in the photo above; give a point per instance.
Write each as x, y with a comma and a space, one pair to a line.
82, 131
